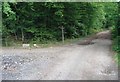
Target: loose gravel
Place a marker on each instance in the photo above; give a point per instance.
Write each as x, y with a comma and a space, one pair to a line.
69, 62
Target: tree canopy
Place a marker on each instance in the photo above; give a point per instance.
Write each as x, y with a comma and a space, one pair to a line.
41, 22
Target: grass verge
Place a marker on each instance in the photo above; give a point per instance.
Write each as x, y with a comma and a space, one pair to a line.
18, 44
116, 48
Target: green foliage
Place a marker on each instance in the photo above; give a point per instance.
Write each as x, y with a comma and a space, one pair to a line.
116, 46
116, 32
111, 10
116, 35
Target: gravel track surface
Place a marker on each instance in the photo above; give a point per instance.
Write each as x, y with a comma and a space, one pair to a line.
69, 62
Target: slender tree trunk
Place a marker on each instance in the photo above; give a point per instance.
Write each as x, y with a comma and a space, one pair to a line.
15, 36
22, 34
62, 34
6, 41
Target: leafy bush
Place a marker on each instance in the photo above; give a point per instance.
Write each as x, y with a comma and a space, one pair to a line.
116, 46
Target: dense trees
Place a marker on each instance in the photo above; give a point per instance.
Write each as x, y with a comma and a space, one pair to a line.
116, 32
41, 22
118, 23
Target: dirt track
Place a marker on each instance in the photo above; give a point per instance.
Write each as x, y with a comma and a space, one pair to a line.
70, 62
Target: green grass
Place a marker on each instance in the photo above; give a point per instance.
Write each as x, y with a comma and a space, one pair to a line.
116, 48
44, 44
18, 44
59, 43
117, 58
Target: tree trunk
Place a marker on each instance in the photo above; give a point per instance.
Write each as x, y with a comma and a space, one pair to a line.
6, 41
22, 34
62, 34
15, 36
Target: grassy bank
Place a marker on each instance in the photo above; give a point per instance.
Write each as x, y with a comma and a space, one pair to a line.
116, 48
18, 44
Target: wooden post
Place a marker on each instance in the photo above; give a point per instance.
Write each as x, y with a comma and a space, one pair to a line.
62, 28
